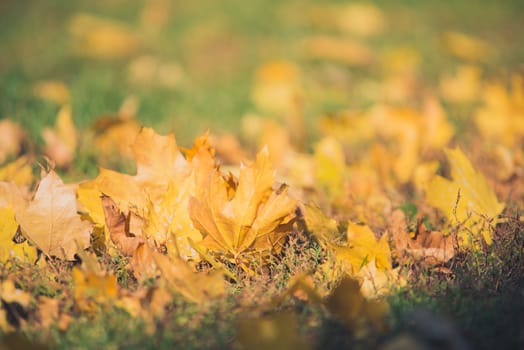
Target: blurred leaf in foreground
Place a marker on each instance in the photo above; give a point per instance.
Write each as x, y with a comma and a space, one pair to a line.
92, 286
13, 304
180, 277
277, 332
359, 315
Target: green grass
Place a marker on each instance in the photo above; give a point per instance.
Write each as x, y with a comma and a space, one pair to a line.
36, 45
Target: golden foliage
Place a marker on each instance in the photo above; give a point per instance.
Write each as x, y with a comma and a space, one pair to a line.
467, 200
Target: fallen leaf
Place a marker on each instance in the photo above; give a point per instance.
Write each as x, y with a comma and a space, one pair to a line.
142, 264
181, 278
51, 221
18, 171
500, 118
118, 226
324, 228
149, 71
467, 200
61, 142
277, 87
48, 311
12, 137
361, 316
379, 282
342, 50
302, 287
361, 19
102, 38
429, 247
52, 90
364, 248
254, 218
113, 138
159, 162
122, 189
466, 47
364, 19
463, 86
10, 249
330, 166
436, 131
228, 149
278, 332
14, 302
155, 15
93, 288
168, 222
401, 60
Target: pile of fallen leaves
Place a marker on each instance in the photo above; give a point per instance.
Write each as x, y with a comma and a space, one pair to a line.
382, 191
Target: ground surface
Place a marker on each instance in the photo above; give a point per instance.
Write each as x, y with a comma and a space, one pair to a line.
398, 126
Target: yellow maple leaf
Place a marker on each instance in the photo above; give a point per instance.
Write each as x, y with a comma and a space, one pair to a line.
90, 199
159, 162
168, 222
121, 188
367, 259
364, 248
90, 205
466, 200
160, 190
254, 218
18, 171
51, 221
8, 248
323, 227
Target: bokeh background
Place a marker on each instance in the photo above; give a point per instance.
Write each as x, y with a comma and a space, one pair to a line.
195, 65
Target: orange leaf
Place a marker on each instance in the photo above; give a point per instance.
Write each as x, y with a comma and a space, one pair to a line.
118, 227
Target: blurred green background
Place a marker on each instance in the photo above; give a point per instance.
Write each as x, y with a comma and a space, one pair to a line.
191, 64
